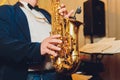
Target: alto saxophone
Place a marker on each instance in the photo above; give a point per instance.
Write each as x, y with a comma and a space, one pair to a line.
68, 58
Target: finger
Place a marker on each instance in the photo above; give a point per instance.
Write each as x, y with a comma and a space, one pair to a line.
51, 52
55, 36
69, 14
62, 6
63, 11
55, 41
53, 47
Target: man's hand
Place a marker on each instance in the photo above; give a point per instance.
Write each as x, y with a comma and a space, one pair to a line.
63, 11
49, 45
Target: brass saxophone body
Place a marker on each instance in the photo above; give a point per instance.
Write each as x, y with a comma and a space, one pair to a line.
68, 58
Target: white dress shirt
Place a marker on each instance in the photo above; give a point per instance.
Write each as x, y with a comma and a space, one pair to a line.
38, 24
39, 28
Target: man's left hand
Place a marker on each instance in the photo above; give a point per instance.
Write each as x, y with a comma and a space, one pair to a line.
63, 11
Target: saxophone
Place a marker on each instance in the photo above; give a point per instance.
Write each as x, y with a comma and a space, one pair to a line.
68, 58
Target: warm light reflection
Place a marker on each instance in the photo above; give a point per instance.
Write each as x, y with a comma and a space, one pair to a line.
2, 2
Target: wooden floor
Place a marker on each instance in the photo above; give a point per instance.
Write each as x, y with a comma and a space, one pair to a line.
80, 77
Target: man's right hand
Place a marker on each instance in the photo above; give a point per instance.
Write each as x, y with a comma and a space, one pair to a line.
49, 45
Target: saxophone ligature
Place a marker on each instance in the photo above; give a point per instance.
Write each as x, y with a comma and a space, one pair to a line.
68, 58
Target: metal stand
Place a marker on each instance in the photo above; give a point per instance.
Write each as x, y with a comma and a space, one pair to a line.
96, 66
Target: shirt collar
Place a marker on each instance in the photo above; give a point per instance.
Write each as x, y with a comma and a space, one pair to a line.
27, 5
31, 7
